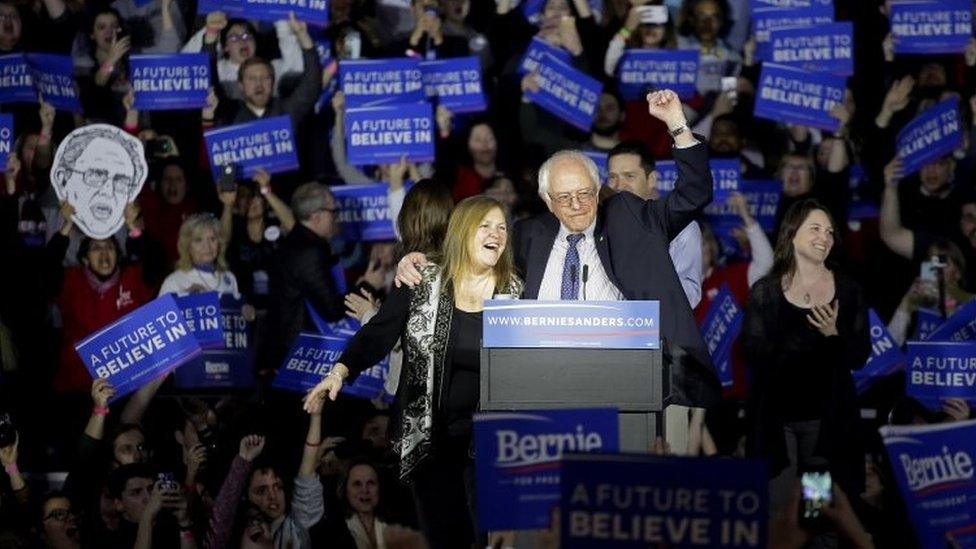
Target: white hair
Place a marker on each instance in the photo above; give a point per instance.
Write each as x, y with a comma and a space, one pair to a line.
578, 156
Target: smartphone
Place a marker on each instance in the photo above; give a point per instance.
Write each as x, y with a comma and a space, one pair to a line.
653, 15
729, 86
160, 147
8, 432
816, 492
167, 482
227, 182
353, 45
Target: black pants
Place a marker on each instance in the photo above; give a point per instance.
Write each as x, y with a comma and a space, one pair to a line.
444, 493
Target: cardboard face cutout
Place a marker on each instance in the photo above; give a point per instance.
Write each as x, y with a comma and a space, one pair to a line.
99, 169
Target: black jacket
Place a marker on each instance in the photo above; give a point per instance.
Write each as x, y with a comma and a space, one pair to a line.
298, 104
302, 272
632, 237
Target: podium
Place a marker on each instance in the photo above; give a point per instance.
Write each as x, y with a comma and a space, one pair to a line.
569, 374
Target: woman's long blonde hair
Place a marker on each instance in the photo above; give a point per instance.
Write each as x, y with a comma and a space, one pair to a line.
454, 258
190, 228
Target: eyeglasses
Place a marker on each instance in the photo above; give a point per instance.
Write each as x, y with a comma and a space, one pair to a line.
583, 196
238, 37
59, 515
96, 177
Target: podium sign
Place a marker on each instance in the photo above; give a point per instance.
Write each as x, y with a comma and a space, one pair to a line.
572, 324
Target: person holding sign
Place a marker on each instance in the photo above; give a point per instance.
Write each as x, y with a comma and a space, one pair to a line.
232, 42
257, 79
96, 292
704, 25
440, 323
647, 27
805, 329
202, 266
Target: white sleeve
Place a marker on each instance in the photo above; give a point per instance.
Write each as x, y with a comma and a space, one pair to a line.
615, 50
898, 327
171, 285
762, 254
195, 43
291, 52
349, 173
394, 200
686, 255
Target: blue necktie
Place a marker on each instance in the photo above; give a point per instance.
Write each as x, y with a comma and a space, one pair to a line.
571, 266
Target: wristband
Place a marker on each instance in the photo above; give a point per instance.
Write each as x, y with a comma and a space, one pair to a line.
134, 232
678, 131
101, 410
44, 136
186, 534
316, 445
624, 33
12, 469
107, 68
265, 189
336, 374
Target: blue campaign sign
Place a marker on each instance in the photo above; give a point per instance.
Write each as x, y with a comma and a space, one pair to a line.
455, 83
721, 327
824, 48
642, 71
364, 213
375, 82
163, 82
6, 138
139, 347
536, 50
725, 177
517, 460
927, 321
933, 465
768, 19
600, 159
267, 143
570, 94
16, 80
572, 324
941, 369
382, 135
961, 326
931, 26
759, 4
54, 79
655, 501
532, 10
885, 359
231, 365
762, 197
315, 12
934, 133
311, 358
233, 8
796, 96
202, 315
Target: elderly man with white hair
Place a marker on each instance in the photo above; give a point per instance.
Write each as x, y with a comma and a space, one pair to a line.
621, 245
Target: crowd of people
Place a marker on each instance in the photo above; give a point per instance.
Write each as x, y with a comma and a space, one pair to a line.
170, 466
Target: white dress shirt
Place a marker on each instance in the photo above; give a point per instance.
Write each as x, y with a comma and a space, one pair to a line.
598, 285
686, 255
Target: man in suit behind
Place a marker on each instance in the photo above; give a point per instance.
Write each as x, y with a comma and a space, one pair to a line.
624, 243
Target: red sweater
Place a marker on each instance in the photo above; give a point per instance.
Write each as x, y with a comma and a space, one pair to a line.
84, 311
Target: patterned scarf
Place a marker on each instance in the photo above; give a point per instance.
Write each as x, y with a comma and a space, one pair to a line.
427, 335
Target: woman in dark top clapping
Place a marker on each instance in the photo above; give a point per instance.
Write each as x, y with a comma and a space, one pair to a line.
805, 329
439, 322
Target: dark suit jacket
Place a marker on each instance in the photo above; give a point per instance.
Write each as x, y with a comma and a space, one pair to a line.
632, 238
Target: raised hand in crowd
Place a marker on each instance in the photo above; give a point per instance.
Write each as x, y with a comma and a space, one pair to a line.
131, 114
895, 100
361, 305
970, 53
251, 447
208, 112
67, 211
300, 28
530, 82
11, 173
101, 392
8, 459
445, 121
215, 24
428, 23
955, 409
169, 498
749, 51
666, 107
401, 172
133, 219
117, 50
569, 37
888, 47
785, 531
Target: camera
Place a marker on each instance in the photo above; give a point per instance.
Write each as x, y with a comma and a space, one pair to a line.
653, 15
8, 432
159, 147
227, 182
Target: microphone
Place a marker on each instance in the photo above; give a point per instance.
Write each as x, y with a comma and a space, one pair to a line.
586, 275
